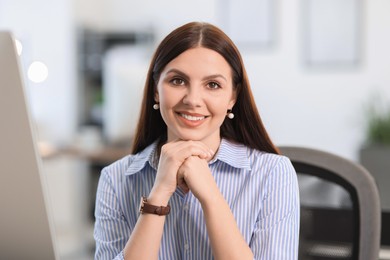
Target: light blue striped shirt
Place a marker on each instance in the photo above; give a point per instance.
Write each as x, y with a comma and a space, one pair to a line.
260, 188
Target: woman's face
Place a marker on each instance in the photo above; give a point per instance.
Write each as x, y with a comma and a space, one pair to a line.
195, 90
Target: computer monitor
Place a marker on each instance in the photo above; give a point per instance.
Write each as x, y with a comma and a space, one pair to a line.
26, 229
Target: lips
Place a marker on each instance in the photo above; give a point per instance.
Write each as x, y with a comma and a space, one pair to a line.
191, 117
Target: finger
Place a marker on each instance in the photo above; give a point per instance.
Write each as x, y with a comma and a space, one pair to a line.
207, 152
179, 143
184, 149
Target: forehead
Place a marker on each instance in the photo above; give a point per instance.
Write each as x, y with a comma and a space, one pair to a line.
200, 61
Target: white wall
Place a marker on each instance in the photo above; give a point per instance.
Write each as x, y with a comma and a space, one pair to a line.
162, 15
319, 108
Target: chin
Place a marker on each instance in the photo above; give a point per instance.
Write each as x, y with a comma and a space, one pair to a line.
191, 136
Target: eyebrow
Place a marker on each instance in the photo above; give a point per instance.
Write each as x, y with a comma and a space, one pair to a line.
213, 76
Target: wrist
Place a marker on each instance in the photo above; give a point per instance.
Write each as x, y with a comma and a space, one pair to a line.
148, 208
159, 197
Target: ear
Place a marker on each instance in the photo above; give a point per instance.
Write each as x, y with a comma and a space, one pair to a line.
156, 97
233, 100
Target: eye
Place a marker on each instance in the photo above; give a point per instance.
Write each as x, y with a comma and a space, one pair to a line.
213, 85
177, 81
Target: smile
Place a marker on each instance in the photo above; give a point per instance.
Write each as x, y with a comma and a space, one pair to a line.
192, 118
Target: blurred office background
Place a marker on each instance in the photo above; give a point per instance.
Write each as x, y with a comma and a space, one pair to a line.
314, 65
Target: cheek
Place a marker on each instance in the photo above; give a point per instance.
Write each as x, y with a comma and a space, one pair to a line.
218, 112
218, 105
166, 100
170, 97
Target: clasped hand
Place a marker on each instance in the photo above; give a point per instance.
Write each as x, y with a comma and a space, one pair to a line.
184, 164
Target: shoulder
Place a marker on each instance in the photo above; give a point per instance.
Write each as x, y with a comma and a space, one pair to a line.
277, 170
120, 164
244, 157
117, 169
132, 163
268, 161
274, 168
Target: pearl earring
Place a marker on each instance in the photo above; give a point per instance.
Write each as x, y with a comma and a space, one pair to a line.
156, 106
230, 115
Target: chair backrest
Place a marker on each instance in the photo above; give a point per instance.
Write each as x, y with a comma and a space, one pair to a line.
340, 206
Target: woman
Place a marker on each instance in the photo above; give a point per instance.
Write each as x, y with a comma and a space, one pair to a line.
210, 181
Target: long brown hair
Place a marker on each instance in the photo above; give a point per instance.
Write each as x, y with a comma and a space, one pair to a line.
246, 127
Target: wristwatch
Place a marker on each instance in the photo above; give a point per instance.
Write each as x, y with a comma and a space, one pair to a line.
146, 208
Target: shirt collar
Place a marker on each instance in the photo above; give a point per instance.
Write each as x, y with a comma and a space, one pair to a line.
235, 154
138, 161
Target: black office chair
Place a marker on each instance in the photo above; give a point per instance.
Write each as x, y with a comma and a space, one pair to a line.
340, 207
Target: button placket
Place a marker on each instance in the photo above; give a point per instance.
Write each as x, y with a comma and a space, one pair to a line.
185, 219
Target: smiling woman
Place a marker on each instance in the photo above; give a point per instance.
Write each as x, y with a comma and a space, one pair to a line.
194, 92
211, 183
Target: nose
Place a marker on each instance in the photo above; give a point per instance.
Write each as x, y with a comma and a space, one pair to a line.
193, 97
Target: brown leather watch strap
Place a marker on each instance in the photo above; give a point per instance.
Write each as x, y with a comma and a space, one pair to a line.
145, 207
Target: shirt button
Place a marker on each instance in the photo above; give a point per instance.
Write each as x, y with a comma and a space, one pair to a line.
186, 246
185, 208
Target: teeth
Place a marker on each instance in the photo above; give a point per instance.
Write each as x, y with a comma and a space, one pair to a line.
192, 118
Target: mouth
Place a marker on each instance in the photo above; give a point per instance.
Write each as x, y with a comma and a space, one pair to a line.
193, 118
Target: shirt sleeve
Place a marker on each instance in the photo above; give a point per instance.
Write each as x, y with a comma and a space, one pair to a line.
276, 233
111, 230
